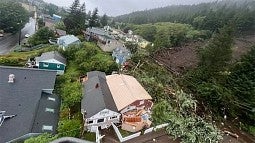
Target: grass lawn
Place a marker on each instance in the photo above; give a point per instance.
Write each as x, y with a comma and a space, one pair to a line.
20, 58
89, 136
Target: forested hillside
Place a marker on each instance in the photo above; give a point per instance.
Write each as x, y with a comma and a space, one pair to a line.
166, 34
206, 16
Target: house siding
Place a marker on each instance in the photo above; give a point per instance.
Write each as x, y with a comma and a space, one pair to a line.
52, 66
139, 104
106, 115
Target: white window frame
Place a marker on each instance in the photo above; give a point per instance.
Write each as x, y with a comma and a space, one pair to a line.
88, 122
114, 117
52, 99
49, 110
46, 65
100, 119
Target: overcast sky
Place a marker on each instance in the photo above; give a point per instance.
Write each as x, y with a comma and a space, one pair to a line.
119, 7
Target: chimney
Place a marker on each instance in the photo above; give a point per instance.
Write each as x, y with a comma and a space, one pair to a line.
97, 85
11, 78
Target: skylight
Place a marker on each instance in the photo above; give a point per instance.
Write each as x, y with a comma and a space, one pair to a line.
51, 99
49, 110
47, 128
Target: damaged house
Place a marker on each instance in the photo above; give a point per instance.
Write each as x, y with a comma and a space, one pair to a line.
117, 96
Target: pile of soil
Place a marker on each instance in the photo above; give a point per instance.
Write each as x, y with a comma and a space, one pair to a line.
178, 59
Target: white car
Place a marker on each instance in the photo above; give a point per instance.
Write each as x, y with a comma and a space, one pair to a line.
27, 35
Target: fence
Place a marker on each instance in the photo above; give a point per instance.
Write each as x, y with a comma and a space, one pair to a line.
20, 48
122, 139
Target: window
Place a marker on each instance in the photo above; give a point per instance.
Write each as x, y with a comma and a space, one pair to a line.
114, 117
90, 122
49, 110
58, 66
51, 99
45, 64
47, 128
100, 120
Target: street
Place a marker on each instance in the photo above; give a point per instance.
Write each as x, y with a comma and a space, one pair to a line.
10, 40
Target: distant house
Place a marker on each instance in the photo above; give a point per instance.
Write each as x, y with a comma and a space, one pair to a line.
107, 28
65, 41
27, 105
97, 106
49, 23
132, 38
51, 61
56, 18
121, 55
105, 41
60, 32
107, 97
143, 43
130, 32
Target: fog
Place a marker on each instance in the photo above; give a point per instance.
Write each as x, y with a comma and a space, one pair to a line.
119, 7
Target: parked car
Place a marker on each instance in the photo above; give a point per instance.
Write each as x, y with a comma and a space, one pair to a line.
27, 35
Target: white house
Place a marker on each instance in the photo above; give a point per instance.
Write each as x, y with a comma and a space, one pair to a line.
98, 107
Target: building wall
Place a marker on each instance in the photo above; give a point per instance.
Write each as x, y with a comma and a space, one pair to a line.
52, 66
109, 47
138, 104
105, 116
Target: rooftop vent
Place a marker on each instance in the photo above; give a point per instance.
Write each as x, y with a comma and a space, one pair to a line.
97, 85
11, 78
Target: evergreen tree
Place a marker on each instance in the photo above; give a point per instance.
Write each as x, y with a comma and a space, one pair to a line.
206, 16
75, 7
242, 83
215, 56
104, 20
75, 21
94, 20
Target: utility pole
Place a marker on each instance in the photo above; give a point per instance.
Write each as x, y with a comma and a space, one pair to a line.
20, 31
19, 35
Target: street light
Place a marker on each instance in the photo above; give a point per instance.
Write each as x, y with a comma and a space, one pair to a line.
20, 31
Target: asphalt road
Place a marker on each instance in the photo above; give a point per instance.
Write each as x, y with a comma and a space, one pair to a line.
10, 40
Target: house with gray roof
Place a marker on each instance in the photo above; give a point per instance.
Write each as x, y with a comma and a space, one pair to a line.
104, 40
51, 61
67, 40
60, 32
97, 106
121, 55
27, 105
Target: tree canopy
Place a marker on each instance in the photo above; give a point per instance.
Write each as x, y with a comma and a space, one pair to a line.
75, 21
206, 16
42, 36
13, 16
94, 19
